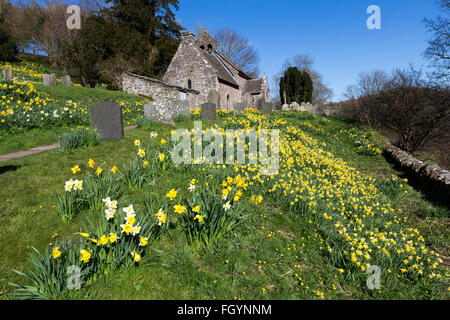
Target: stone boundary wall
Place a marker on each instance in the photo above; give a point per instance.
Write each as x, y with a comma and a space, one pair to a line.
438, 178
156, 89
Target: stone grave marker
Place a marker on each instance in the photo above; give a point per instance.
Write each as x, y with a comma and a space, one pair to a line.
285, 106
238, 107
65, 81
7, 73
164, 112
294, 106
208, 111
49, 79
266, 108
214, 97
247, 100
107, 119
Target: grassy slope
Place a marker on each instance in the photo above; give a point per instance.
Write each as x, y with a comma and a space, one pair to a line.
38, 137
259, 266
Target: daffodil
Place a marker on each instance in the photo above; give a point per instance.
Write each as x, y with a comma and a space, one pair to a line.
75, 169
85, 256
179, 208
56, 253
171, 194
199, 218
136, 256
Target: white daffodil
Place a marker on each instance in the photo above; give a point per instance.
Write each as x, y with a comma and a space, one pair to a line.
129, 211
109, 213
227, 205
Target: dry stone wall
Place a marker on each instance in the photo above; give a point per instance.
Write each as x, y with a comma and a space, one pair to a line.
438, 178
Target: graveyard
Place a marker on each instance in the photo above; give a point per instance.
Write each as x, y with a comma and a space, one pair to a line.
139, 226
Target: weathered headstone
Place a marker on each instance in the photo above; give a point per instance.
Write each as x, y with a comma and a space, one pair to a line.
7, 73
238, 107
49, 79
247, 100
214, 97
294, 106
285, 106
266, 108
208, 111
65, 81
259, 103
107, 119
164, 112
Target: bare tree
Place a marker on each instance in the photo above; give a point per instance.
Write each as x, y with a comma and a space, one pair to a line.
438, 51
239, 50
304, 62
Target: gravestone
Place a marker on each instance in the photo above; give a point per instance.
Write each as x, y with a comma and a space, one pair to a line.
208, 111
107, 119
266, 108
214, 97
247, 100
285, 106
49, 79
238, 107
7, 73
164, 112
294, 106
180, 107
65, 81
259, 104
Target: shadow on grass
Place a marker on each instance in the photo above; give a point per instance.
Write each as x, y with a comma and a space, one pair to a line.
4, 169
435, 193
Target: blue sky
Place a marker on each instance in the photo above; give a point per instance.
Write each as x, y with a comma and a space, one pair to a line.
333, 32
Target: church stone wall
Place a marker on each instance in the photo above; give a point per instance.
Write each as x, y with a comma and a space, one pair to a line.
189, 64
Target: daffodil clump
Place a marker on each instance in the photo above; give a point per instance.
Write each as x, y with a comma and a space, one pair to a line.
22, 108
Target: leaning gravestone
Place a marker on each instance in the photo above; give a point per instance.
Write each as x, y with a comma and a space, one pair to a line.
214, 97
247, 100
49, 79
107, 119
266, 107
7, 73
65, 81
208, 111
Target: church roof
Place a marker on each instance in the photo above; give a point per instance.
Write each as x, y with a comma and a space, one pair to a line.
253, 86
222, 71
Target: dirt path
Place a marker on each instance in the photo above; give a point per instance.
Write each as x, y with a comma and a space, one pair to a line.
20, 154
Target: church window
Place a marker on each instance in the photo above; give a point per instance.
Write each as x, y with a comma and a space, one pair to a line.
189, 84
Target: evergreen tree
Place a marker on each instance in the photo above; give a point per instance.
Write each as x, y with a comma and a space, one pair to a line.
297, 84
8, 47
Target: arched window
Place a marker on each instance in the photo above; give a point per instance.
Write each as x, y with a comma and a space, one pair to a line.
189, 84
202, 47
209, 48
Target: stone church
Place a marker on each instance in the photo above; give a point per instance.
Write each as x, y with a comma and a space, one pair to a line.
197, 68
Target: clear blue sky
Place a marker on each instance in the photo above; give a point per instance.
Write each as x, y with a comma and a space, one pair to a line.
333, 32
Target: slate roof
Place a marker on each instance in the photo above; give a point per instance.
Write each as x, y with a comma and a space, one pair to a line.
222, 71
253, 86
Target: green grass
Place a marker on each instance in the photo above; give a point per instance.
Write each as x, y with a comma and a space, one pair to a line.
12, 142
257, 261
85, 96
